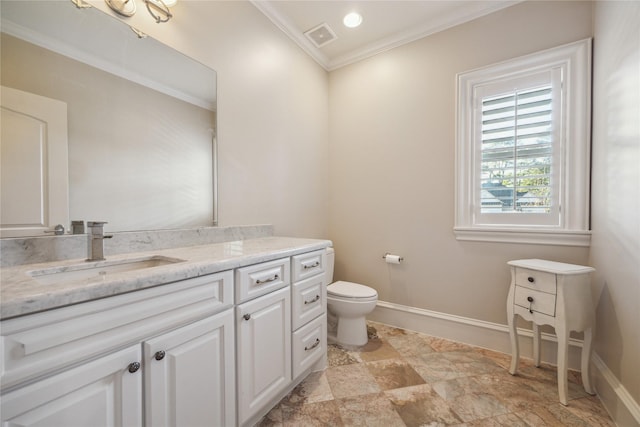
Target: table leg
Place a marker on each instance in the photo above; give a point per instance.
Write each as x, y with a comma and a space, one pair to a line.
563, 359
536, 345
513, 335
586, 357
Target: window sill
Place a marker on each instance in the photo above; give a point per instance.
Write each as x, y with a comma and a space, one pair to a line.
529, 236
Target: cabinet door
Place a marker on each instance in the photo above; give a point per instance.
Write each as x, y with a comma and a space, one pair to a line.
189, 375
264, 351
99, 393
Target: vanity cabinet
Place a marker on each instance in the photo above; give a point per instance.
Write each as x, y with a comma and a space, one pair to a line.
164, 353
101, 392
188, 378
214, 350
281, 333
263, 326
309, 302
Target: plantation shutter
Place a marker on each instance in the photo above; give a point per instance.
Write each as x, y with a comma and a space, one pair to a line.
517, 151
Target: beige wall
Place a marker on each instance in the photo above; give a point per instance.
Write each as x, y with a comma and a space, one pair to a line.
615, 249
392, 122
272, 114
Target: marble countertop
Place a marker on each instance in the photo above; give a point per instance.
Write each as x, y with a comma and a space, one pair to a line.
23, 294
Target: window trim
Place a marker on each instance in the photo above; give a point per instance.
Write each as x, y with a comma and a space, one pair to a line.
573, 228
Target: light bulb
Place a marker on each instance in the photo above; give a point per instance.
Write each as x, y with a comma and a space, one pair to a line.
352, 20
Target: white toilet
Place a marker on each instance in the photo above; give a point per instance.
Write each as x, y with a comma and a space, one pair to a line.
348, 304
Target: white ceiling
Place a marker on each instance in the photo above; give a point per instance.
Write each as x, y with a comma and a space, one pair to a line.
386, 24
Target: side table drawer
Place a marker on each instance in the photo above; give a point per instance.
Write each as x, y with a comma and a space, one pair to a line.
534, 279
541, 302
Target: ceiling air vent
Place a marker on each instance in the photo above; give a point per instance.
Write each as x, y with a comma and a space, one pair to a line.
321, 35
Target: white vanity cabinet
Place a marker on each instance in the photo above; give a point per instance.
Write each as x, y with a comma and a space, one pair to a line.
189, 378
281, 329
263, 327
309, 302
101, 392
214, 350
95, 363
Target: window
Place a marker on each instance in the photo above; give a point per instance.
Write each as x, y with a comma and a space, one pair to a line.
522, 155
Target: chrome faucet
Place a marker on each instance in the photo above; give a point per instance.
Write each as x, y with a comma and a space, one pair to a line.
96, 240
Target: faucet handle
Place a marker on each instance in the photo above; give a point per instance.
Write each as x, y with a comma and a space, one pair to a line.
58, 230
96, 223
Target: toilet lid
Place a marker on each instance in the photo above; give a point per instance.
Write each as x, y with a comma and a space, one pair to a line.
351, 290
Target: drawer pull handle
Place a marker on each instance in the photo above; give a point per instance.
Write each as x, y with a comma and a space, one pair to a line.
317, 297
134, 366
270, 279
530, 299
246, 316
159, 355
531, 279
315, 344
308, 266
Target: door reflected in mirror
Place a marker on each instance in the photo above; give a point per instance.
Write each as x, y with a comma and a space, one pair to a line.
141, 116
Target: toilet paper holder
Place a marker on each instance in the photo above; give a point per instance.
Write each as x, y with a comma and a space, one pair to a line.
399, 258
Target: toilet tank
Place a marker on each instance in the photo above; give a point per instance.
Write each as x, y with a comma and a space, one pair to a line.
330, 264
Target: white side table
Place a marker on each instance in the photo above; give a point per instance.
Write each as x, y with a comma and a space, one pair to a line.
556, 294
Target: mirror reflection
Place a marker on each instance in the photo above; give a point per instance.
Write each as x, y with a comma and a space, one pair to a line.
141, 122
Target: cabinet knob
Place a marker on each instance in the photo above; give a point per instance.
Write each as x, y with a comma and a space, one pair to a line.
530, 299
159, 355
134, 366
531, 279
246, 316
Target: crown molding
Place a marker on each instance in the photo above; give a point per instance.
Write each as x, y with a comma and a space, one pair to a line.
287, 27
404, 37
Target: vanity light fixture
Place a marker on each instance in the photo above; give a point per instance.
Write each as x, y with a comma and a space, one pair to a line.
81, 4
352, 20
122, 7
159, 9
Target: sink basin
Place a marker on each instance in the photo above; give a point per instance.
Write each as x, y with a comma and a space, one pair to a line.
98, 270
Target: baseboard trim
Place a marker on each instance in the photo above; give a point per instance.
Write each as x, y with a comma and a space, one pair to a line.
624, 410
480, 333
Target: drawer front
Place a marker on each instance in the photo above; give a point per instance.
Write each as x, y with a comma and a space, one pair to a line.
541, 302
260, 279
309, 300
309, 345
308, 265
41, 343
537, 280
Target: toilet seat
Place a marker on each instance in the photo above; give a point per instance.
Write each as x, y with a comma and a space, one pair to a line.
351, 290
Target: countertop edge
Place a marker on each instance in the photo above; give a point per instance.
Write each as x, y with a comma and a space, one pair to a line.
26, 296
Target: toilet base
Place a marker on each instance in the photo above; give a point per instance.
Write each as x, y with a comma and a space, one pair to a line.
352, 331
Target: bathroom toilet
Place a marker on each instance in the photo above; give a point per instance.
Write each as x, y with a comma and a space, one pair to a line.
348, 304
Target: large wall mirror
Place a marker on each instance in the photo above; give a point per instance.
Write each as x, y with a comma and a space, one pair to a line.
140, 128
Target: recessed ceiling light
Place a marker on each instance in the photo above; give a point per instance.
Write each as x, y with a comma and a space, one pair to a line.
352, 20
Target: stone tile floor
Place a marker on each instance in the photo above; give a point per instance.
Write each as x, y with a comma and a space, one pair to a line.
403, 378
